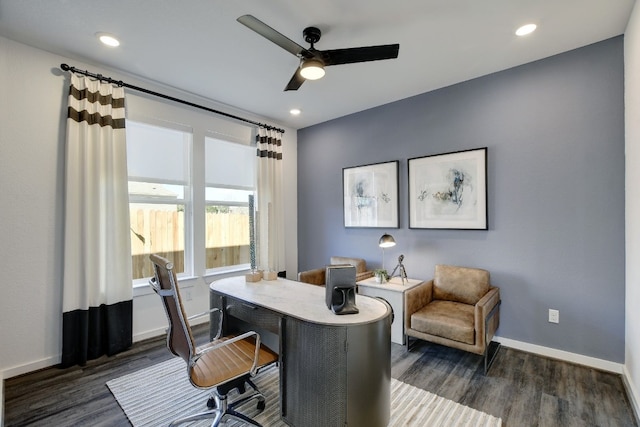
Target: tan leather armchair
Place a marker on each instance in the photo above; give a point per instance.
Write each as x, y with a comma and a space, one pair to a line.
459, 308
317, 275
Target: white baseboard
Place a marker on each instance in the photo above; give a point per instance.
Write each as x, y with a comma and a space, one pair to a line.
30, 367
566, 356
149, 334
632, 393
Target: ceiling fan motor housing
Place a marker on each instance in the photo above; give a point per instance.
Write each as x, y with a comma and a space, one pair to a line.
311, 34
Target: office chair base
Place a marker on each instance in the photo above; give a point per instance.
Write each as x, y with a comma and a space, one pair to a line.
220, 408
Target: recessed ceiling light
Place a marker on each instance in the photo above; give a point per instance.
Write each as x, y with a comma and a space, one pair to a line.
526, 29
295, 111
108, 39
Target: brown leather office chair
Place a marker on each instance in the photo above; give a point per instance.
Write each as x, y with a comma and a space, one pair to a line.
317, 276
459, 308
222, 365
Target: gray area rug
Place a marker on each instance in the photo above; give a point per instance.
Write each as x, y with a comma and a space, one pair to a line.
156, 395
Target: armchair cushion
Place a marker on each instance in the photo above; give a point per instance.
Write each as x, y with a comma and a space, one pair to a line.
446, 319
460, 284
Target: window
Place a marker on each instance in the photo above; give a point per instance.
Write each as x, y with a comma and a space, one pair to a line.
158, 160
190, 175
230, 180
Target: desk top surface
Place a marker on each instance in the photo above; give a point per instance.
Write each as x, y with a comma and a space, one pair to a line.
301, 300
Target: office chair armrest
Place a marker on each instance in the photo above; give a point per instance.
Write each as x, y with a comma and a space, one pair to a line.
208, 312
204, 313
226, 342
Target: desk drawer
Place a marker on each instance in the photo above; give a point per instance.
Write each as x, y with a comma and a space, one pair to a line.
258, 316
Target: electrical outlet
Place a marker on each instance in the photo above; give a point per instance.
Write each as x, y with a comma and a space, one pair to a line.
554, 316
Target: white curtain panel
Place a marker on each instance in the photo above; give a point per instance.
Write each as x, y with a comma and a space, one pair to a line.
270, 214
97, 282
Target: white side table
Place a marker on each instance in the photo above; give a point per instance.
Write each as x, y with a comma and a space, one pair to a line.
392, 292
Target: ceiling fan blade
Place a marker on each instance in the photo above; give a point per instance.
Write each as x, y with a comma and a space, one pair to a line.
269, 33
360, 54
295, 82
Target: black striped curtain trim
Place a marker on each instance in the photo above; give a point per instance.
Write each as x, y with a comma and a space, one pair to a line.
271, 145
95, 118
262, 139
270, 154
93, 97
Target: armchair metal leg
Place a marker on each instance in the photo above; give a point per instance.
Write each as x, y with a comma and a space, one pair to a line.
406, 342
490, 355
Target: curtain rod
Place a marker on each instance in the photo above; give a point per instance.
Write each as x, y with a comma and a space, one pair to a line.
100, 77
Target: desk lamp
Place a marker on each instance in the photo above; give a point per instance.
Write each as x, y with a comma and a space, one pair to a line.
386, 241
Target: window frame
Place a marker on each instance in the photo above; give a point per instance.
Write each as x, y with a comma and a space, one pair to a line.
228, 268
252, 189
186, 200
200, 125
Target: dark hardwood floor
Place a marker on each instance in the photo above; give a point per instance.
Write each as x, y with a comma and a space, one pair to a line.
521, 388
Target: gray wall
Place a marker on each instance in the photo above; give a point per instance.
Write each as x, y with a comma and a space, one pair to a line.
555, 136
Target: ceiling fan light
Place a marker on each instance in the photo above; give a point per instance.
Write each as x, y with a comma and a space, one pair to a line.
312, 69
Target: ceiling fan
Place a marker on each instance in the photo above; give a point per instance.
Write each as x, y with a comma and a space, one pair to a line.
313, 61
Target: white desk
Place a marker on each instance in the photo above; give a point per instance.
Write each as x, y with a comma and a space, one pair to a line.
392, 292
296, 299
335, 370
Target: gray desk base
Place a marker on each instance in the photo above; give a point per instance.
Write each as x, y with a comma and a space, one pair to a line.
330, 375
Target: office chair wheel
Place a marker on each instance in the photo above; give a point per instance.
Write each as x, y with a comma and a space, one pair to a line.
211, 403
261, 405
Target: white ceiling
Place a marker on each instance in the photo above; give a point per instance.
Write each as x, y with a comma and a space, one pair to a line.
197, 45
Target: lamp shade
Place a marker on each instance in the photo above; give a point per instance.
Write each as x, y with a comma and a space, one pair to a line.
312, 69
386, 241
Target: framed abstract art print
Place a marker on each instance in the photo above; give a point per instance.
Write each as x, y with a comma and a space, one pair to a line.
449, 191
370, 195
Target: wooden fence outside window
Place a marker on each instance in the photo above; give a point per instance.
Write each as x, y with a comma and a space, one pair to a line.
162, 232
